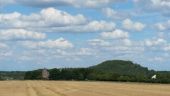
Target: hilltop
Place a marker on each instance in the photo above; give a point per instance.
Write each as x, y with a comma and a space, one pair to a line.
121, 67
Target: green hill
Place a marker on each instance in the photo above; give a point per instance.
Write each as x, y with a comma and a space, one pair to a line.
120, 70
121, 67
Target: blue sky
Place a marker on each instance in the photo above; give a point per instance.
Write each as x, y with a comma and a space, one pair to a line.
80, 33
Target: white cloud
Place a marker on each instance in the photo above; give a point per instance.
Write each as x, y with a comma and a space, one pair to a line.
5, 51
48, 17
113, 14
99, 26
130, 25
166, 48
75, 3
126, 49
5, 2
20, 34
161, 3
53, 20
3, 46
157, 59
155, 42
92, 26
98, 42
58, 43
163, 26
85, 52
116, 34
53, 16
109, 12
116, 46
5, 54
127, 42
159, 6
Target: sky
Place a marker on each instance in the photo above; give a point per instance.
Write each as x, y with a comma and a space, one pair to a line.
80, 33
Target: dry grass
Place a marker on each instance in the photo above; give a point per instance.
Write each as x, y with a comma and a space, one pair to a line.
70, 88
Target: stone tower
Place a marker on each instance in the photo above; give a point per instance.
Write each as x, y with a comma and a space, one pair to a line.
45, 74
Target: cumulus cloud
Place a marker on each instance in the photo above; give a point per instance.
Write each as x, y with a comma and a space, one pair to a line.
113, 14
85, 52
157, 59
98, 42
94, 26
58, 17
158, 6
20, 34
3, 45
5, 51
161, 3
109, 12
126, 49
75, 3
166, 48
127, 42
130, 25
116, 46
53, 20
58, 43
6, 2
163, 26
48, 17
116, 34
28, 31
155, 42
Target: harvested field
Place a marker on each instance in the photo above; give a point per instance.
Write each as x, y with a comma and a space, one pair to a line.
71, 88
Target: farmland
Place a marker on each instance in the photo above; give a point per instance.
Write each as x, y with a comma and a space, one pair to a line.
73, 88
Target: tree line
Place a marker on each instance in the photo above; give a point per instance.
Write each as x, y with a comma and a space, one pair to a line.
115, 70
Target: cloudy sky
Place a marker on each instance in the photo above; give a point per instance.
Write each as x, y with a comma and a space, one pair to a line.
80, 33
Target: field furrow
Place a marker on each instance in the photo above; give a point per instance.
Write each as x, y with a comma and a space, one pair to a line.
72, 88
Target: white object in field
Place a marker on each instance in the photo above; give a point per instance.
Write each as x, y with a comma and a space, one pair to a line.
154, 77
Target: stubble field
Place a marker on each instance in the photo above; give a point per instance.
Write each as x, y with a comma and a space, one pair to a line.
71, 88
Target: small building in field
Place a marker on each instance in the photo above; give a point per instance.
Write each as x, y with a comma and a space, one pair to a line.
45, 74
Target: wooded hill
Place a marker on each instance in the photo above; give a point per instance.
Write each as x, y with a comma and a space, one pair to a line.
113, 70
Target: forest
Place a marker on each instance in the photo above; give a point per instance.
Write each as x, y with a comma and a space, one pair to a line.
112, 70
